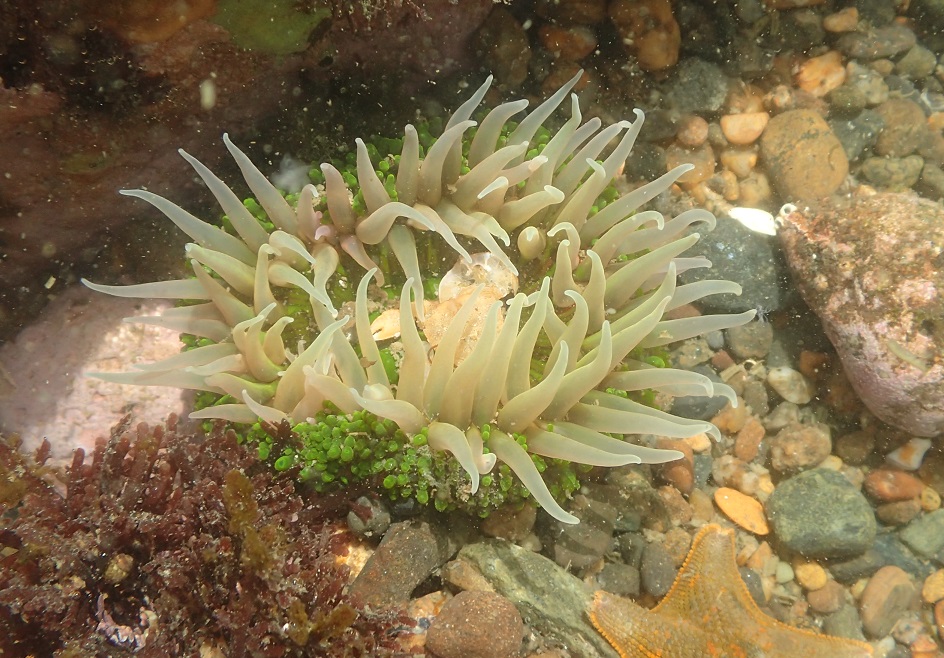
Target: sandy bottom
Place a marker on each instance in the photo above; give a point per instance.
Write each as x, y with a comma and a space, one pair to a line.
44, 392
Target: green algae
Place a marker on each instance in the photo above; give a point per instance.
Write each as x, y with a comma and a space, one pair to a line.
276, 27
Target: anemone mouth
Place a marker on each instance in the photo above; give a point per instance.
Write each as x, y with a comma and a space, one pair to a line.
532, 348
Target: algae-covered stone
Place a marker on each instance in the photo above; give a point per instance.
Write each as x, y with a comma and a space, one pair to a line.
925, 536
819, 513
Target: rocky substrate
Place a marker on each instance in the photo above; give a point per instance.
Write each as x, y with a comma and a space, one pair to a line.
838, 518
838, 110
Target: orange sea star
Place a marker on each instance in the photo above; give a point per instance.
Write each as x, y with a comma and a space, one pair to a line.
709, 613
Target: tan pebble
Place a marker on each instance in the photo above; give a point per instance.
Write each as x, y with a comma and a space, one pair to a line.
780, 99
784, 573
899, 512
930, 499
386, 325
924, 646
798, 447
692, 131
827, 599
855, 447
791, 385
703, 159
568, 43
858, 587
886, 485
699, 443
119, 566
832, 462
936, 121
813, 364
765, 486
510, 522
761, 557
532, 543
702, 509
885, 599
883, 67
854, 474
840, 396
677, 543
680, 510
755, 190
721, 360
820, 75
844, 20
428, 605
743, 510
681, 472
932, 471
728, 471
810, 575
933, 589
730, 189
939, 617
730, 420
463, 575
649, 31
745, 98
740, 162
747, 443
744, 129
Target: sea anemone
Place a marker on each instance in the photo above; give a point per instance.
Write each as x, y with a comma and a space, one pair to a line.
548, 370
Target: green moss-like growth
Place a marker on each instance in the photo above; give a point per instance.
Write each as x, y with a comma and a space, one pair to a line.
276, 27
338, 450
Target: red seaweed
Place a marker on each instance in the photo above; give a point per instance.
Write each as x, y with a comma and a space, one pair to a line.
163, 543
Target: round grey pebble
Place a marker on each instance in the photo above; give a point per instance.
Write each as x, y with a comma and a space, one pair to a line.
752, 580
751, 340
752, 259
620, 579
819, 513
657, 571
700, 407
370, 518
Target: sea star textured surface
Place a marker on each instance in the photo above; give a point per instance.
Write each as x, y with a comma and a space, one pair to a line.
709, 613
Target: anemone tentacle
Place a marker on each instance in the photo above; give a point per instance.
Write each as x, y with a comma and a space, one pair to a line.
488, 375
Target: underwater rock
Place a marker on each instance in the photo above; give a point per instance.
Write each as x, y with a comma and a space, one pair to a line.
872, 269
805, 160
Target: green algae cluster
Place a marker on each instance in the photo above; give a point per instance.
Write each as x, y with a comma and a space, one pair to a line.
338, 450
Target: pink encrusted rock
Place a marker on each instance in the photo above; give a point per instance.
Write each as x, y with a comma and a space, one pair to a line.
872, 269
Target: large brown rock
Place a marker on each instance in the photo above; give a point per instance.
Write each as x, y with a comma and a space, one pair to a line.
872, 269
804, 158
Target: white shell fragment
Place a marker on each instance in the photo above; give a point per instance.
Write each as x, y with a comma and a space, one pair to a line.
485, 268
386, 325
909, 456
754, 219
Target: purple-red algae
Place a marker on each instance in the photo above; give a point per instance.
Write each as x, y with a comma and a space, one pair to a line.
163, 543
